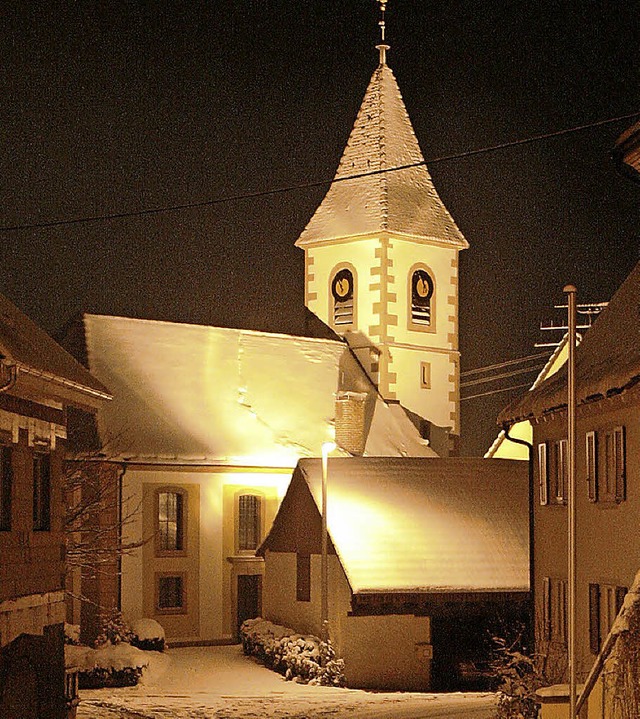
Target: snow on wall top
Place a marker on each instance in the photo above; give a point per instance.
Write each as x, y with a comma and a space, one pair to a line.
607, 359
404, 201
455, 524
210, 395
30, 347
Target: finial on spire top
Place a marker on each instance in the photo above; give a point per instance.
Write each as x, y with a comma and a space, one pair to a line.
383, 47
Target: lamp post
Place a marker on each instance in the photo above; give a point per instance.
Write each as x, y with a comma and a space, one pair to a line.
571, 293
324, 566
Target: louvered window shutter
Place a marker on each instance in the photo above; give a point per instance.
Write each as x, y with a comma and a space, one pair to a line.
546, 608
618, 434
592, 466
543, 473
594, 618
621, 592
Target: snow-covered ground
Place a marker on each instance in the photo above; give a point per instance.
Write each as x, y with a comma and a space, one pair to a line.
221, 683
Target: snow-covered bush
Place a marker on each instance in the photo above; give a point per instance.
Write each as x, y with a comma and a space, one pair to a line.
110, 665
113, 628
302, 658
521, 672
147, 634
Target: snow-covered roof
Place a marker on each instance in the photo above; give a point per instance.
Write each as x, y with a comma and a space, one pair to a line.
29, 347
211, 395
607, 359
551, 366
408, 524
403, 201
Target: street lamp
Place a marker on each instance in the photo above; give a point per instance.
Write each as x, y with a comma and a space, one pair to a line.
324, 575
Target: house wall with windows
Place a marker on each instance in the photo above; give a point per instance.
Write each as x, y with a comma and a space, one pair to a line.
38, 383
607, 368
197, 568
608, 510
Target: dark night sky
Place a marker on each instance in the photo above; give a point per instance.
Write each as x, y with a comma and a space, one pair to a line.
121, 106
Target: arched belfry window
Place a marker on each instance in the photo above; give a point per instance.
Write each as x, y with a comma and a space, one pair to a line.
343, 293
249, 521
422, 289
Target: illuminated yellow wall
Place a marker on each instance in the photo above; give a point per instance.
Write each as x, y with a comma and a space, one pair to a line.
383, 266
379, 652
210, 607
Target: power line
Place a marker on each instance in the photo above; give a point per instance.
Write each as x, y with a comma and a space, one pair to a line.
504, 375
507, 363
306, 185
494, 391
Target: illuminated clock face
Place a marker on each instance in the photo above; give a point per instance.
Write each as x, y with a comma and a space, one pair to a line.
421, 286
342, 285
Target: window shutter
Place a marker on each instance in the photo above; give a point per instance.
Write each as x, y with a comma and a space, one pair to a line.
591, 458
621, 592
546, 608
594, 618
543, 473
618, 434
564, 613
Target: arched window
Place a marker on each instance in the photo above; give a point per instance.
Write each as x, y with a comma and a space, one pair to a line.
422, 289
342, 291
249, 522
171, 515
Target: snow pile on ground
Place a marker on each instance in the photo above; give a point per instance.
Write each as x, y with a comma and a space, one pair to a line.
302, 658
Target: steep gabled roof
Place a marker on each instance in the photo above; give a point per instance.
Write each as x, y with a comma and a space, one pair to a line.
404, 201
419, 525
607, 359
192, 394
29, 347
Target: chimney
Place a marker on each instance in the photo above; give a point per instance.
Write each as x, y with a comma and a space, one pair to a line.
350, 421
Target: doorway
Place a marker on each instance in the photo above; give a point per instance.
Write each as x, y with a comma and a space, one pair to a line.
249, 598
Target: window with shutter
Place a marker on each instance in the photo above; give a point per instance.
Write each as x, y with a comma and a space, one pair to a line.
561, 473
610, 467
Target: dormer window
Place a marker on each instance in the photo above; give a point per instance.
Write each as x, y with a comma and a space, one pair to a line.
421, 298
342, 290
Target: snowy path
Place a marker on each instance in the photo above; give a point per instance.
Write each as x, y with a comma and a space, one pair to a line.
221, 683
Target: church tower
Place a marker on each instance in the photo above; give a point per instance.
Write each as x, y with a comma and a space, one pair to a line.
381, 260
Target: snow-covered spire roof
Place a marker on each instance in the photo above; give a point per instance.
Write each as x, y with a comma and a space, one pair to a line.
401, 201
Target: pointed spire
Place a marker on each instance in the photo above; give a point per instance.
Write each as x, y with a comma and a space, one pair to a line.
368, 195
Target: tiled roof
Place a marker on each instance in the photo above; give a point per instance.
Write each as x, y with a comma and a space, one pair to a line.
24, 343
211, 395
408, 524
607, 359
403, 201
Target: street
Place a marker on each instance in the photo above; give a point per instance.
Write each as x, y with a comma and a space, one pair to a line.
221, 683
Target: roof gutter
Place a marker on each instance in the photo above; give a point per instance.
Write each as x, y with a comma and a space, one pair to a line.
70, 384
505, 428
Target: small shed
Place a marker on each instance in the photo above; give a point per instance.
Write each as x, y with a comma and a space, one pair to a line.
426, 556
